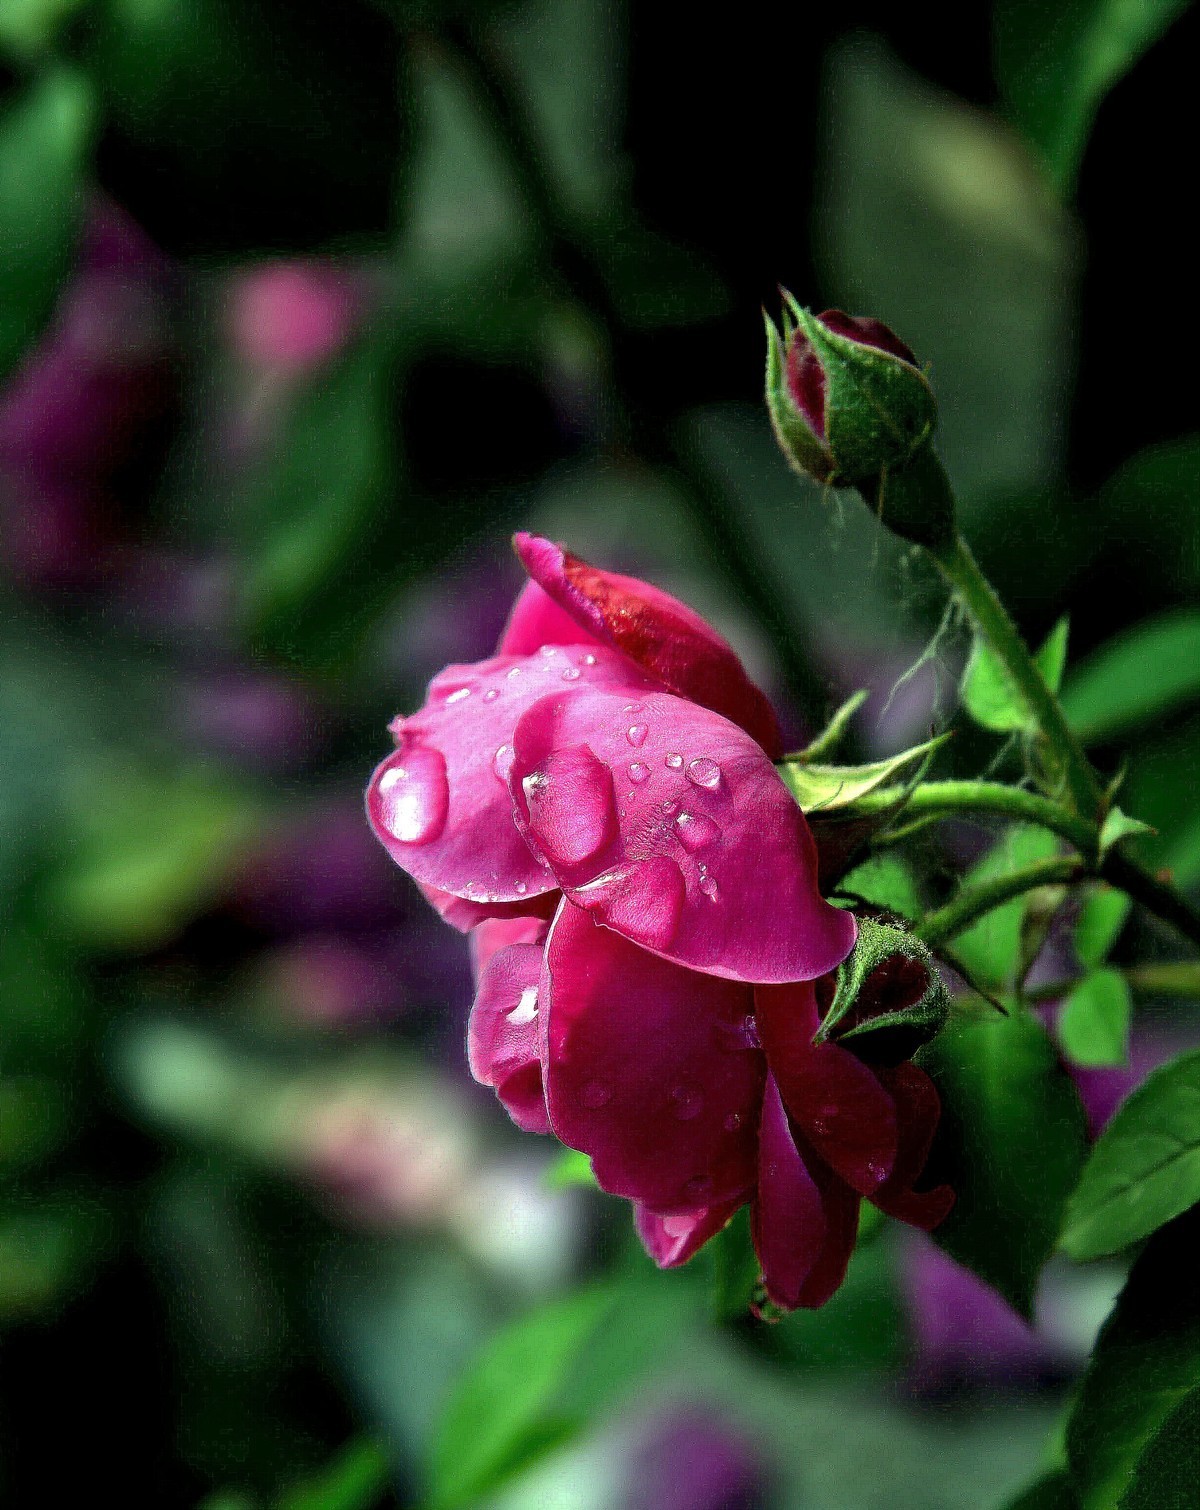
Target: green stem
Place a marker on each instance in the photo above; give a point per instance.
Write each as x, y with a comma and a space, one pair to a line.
1154, 895
1173, 978
993, 625
970, 905
951, 799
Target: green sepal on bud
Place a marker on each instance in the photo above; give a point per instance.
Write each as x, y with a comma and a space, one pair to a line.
888, 997
850, 407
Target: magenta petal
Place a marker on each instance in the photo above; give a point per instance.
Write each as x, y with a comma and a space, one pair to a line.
658, 632
502, 1035
440, 804
648, 1069
674, 1238
804, 1219
835, 1099
494, 934
710, 864
465, 916
537, 620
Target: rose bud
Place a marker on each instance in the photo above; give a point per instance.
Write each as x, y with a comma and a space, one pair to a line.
850, 407
887, 999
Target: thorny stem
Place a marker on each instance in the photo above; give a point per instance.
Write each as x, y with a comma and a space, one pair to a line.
975, 902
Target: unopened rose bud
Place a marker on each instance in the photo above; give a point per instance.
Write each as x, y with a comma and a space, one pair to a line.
851, 407
887, 998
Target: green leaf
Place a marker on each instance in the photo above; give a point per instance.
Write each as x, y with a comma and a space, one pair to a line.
49, 1248
1167, 1475
571, 1170
831, 736
991, 948
355, 1480
1146, 1360
1117, 826
1143, 674
994, 700
1010, 1143
826, 789
1145, 1167
1055, 63
885, 880
734, 1266
1094, 1026
1101, 919
501, 1415
45, 137
29, 27
1051, 1492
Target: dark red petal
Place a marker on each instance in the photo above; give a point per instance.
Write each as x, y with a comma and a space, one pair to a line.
835, 1099
648, 1069
662, 635
869, 331
917, 1110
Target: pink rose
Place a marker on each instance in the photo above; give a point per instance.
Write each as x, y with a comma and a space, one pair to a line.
597, 804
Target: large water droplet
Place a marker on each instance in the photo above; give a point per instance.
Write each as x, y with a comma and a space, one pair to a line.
710, 889
571, 674
674, 760
459, 695
502, 762
687, 1100
525, 1009
411, 796
695, 830
572, 806
595, 1094
704, 772
513, 672
644, 901
520, 888
638, 771
636, 734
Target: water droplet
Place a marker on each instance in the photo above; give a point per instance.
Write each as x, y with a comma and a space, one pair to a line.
589, 659
709, 887
459, 695
819, 1127
491, 694
878, 1172
687, 1100
704, 772
596, 1094
636, 734
732, 1122
695, 832
502, 762
643, 901
669, 806
513, 671
520, 888
572, 806
698, 1187
674, 760
411, 797
571, 674
633, 707
750, 1031
525, 1009
638, 771
548, 651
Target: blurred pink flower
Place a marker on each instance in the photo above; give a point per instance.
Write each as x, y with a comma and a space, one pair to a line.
612, 765
290, 317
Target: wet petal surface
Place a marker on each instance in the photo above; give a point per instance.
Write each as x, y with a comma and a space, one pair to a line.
658, 632
502, 1034
440, 804
646, 1069
710, 863
673, 1239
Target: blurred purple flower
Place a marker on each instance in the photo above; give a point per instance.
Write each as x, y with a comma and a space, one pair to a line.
328, 980
257, 719
691, 1460
83, 408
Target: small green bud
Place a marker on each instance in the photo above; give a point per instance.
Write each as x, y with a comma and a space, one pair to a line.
888, 998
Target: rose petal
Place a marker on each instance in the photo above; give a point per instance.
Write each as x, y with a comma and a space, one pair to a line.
440, 805
804, 1219
918, 1108
658, 632
465, 916
502, 1034
673, 1238
670, 824
494, 934
835, 1099
648, 1069
537, 620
